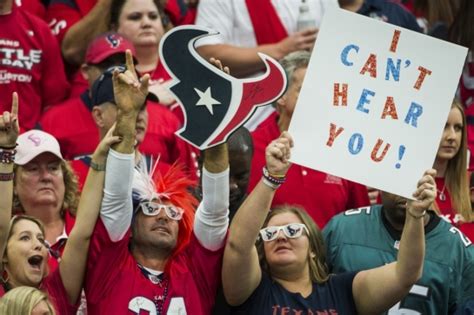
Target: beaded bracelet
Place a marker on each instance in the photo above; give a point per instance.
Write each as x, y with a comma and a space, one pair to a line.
7, 156
5, 177
270, 184
275, 179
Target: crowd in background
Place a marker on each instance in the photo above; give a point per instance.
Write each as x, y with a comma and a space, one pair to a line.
104, 210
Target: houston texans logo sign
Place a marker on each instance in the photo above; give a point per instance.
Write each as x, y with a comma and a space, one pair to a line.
214, 103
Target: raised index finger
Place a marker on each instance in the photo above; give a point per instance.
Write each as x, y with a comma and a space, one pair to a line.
15, 104
129, 62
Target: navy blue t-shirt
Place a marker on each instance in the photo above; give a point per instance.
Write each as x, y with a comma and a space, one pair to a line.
334, 297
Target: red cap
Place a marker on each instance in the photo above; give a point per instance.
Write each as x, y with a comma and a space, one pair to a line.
106, 45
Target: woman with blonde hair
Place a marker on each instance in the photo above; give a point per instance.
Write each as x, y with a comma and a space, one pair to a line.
26, 301
453, 201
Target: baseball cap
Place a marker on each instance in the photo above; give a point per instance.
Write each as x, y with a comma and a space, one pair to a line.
103, 88
106, 45
34, 142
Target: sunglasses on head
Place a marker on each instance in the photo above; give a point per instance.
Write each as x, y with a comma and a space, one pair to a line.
150, 208
292, 230
121, 69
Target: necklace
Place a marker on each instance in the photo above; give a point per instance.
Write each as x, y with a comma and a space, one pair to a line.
441, 194
160, 299
163, 282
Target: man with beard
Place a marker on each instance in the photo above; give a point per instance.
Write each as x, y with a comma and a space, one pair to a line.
369, 237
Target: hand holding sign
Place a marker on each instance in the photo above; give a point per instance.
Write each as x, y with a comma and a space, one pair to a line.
214, 103
374, 102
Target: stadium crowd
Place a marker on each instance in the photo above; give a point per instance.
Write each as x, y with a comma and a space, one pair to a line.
105, 210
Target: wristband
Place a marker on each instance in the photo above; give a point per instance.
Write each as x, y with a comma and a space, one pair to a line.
97, 167
274, 179
270, 184
417, 216
5, 177
7, 156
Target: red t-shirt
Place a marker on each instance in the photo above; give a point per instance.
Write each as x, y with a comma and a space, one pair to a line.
443, 200
62, 14
79, 85
35, 7
60, 244
116, 285
321, 195
31, 65
72, 125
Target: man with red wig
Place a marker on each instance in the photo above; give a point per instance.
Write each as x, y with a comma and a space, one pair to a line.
153, 254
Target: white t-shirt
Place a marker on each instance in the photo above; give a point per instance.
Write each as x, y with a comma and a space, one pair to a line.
231, 19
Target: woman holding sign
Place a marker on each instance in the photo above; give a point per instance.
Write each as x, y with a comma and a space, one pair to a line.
287, 269
453, 201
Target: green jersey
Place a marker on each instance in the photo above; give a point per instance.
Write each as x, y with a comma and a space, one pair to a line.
363, 239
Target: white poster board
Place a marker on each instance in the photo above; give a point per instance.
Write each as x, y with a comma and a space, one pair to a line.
374, 102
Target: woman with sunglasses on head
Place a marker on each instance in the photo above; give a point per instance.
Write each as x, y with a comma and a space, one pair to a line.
286, 269
22, 239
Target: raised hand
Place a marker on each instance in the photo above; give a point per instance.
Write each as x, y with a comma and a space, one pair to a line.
277, 154
161, 89
9, 127
129, 91
103, 148
425, 194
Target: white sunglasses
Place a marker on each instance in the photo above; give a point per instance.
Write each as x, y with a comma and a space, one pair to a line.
292, 230
150, 208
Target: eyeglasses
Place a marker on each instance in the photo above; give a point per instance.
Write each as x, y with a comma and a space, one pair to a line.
292, 230
150, 208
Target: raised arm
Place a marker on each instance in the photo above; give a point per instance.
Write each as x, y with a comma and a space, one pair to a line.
9, 130
244, 61
78, 36
212, 216
220, 15
375, 290
73, 262
241, 265
129, 93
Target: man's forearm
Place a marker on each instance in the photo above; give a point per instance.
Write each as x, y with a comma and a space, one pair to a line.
216, 159
243, 61
126, 123
78, 37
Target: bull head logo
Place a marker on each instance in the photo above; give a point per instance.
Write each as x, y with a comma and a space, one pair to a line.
214, 104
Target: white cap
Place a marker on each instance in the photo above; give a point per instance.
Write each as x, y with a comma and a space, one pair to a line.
34, 142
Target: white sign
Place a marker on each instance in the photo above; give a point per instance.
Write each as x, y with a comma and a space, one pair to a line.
374, 102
